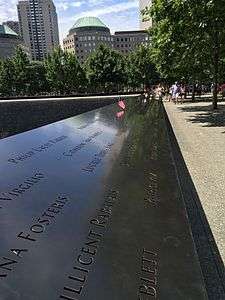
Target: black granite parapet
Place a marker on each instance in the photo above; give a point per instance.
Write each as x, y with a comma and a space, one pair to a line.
91, 209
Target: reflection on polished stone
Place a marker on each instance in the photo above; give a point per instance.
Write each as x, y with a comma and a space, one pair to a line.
91, 209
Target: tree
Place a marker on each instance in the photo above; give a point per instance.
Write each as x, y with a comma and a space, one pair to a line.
63, 72
75, 77
106, 68
37, 81
21, 63
140, 68
188, 39
7, 78
54, 65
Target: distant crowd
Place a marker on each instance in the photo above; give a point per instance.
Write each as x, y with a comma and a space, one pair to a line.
178, 92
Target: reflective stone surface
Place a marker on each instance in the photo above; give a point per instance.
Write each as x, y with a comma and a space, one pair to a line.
91, 209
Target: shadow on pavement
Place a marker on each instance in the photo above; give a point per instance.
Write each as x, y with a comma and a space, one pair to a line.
205, 115
209, 257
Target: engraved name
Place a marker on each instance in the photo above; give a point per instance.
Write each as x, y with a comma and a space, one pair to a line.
84, 126
97, 159
86, 256
129, 155
148, 280
22, 188
37, 228
77, 148
154, 152
24, 156
152, 189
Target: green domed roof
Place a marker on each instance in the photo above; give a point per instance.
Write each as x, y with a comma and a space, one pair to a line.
4, 29
89, 22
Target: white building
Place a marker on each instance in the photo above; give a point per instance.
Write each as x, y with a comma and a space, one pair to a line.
38, 26
145, 21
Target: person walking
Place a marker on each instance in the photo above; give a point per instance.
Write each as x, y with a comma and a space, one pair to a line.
183, 92
160, 92
175, 92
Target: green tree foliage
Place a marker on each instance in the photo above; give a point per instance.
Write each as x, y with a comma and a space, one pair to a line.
188, 39
19, 76
140, 68
63, 72
106, 69
75, 76
20, 62
7, 78
37, 81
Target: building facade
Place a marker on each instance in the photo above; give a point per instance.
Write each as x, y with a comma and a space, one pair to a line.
14, 25
9, 41
145, 20
89, 32
39, 26
127, 41
85, 36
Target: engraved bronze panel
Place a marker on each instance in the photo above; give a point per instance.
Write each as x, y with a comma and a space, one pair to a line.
91, 209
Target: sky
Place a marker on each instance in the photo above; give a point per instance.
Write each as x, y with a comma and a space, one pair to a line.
116, 14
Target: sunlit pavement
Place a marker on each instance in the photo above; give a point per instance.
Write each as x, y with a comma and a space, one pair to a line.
201, 136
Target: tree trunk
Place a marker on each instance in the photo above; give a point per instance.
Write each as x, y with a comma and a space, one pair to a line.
216, 69
215, 83
193, 93
215, 96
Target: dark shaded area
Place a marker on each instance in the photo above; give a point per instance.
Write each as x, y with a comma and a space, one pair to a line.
208, 117
210, 260
17, 117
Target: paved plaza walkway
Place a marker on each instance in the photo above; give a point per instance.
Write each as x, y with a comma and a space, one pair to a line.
200, 133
